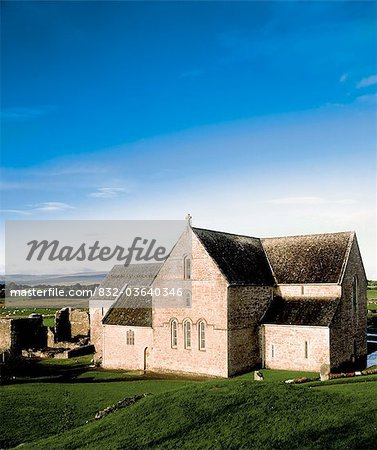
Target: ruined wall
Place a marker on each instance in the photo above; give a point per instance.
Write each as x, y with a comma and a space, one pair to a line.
348, 330
29, 333
208, 303
22, 333
71, 323
62, 325
285, 349
5, 335
79, 323
246, 306
117, 354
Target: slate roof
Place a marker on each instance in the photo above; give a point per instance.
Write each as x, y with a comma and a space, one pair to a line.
131, 310
132, 317
241, 259
246, 260
317, 258
301, 311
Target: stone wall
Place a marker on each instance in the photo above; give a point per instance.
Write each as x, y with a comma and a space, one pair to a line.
348, 330
5, 335
208, 303
308, 290
79, 323
117, 354
71, 324
96, 331
22, 333
62, 325
246, 306
285, 348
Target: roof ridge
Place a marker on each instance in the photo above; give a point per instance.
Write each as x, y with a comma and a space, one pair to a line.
307, 235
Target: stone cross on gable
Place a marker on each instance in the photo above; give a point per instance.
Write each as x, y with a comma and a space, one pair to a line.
188, 219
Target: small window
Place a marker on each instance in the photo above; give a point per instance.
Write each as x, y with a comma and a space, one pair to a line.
187, 334
354, 293
130, 337
306, 350
272, 351
187, 268
202, 335
302, 290
188, 299
174, 333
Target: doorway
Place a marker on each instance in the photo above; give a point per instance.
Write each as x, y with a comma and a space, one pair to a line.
146, 355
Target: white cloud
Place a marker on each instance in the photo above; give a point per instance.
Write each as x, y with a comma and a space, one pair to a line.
39, 207
368, 81
343, 78
309, 201
370, 98
107, 192
15, 211
52, 206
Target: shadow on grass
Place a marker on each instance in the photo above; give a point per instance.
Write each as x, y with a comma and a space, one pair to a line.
76, 371
31, 371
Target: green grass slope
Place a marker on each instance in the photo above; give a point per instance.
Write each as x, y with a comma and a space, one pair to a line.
58, 395
235, 414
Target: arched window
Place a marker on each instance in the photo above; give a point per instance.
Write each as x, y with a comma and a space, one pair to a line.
174, 333
187, 333
202, 335
130, 337
306, 350
187, 268
354, 293
188, 299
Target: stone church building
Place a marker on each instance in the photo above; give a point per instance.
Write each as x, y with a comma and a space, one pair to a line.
295, 303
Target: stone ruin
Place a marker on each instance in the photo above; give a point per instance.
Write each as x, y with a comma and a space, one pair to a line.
258, 376
70, 336
28, 337
17, 334
325, 372
70, 325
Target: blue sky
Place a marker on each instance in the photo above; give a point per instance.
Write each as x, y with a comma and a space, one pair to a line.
258, 118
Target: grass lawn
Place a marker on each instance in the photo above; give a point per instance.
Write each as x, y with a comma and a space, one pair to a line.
372, 294
237, 413
47, 313
42, 405
25, 312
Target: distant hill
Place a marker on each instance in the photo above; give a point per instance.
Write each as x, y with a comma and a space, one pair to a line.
82, 278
